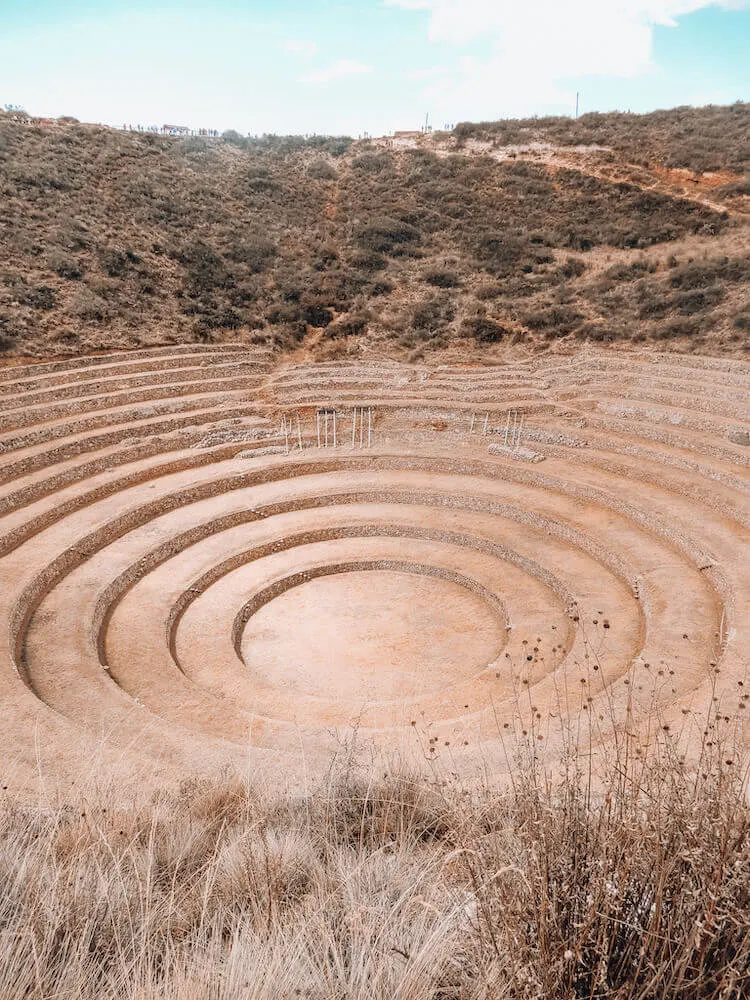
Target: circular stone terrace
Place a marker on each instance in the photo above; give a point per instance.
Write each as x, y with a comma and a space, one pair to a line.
208, 560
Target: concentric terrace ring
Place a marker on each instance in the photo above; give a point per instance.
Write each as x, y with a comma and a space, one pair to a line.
190, 581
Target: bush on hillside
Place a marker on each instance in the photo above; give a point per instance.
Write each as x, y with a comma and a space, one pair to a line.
66, 266
322, 170
387, 236
485, 330
441, 278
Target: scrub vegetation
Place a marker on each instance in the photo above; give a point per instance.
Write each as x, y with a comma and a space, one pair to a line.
633, 881
609, 228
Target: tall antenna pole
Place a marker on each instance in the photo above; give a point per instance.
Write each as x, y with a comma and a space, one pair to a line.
577, 96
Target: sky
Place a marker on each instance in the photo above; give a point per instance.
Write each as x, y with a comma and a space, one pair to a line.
366, 66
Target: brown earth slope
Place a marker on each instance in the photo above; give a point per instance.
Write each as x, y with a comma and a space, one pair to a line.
611, 228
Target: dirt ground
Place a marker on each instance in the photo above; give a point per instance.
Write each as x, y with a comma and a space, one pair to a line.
192, 578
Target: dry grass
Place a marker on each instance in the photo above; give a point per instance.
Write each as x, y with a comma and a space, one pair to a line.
631, 881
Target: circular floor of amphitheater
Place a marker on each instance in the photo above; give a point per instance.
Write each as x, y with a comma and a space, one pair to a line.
212, 560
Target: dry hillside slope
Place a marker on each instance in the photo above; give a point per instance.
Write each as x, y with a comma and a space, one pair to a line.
611, 228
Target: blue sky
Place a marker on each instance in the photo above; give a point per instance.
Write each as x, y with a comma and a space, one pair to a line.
366, 65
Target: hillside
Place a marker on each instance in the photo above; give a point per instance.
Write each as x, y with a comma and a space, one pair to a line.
611, 228
702, 140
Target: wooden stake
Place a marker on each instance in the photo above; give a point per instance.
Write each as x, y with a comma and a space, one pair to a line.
317, 424
334, 428
507, 427
520, 429
286, 435
515, 421
299, 433
471, 428
354, 426
369, 428
361, 430
326, 425
486, 419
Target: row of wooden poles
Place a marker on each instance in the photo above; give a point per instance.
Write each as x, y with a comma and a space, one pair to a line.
514, 431
327, 428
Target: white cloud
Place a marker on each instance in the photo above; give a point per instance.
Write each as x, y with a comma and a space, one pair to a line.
338, 70
300, 48
459, 20
425, 74
536, 44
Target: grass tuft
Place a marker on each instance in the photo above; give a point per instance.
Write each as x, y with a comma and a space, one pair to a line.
624, 878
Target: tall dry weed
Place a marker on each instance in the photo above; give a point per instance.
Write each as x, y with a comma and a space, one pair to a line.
633, 882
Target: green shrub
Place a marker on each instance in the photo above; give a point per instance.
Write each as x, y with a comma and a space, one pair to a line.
431, 314
347, 326
88, 306
386, 235
371, 163
315, 315
39, 297
116, 262
485, 330
66, 266
254, 252
698, 300
441, 278
553, 320
234, 138
321, 170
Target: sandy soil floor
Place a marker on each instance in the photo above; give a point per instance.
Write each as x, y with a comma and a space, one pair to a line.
195, 574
